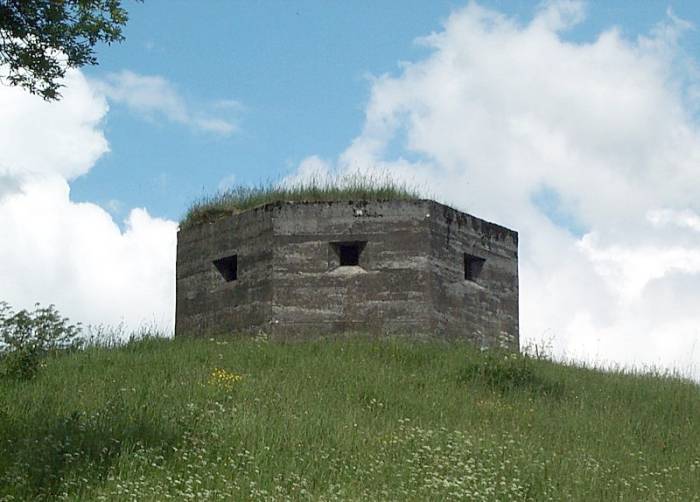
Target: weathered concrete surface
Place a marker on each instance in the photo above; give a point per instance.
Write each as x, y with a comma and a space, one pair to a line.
386, 292
484, 310
410, 275
205, 302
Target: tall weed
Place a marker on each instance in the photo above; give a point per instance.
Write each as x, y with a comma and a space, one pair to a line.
507, 372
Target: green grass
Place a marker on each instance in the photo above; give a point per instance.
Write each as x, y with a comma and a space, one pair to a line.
351, 187
348, 419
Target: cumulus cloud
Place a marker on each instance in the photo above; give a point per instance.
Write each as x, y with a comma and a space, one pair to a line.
154, 97
311, 168
66, 141
74, 255
501, 112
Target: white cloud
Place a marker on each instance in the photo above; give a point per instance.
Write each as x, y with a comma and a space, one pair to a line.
71, 254
218, 126
65, 141
229, 104
113, 206
684, 219
499, 111
227, 182
153, 96
311, 168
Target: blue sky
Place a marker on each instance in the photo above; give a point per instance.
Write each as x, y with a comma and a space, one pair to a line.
300, 72
575, 123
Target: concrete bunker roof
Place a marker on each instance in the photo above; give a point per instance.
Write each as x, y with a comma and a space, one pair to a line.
489, 229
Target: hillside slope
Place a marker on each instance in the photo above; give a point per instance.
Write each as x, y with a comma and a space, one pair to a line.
352, 419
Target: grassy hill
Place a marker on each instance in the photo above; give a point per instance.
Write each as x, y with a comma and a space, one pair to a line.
349, 419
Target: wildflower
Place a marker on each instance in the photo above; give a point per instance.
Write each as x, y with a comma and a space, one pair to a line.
224, 379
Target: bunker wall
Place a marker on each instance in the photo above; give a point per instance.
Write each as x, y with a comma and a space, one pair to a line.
474, 278
309, 269
387, 291
206, 302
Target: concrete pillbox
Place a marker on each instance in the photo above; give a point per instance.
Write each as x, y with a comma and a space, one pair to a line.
304, 269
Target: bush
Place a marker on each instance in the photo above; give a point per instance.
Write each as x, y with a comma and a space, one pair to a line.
506, 372
27, 337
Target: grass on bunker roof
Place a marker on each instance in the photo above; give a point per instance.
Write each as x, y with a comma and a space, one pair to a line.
334, 188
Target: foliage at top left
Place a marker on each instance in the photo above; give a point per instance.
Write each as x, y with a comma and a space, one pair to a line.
41, 39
